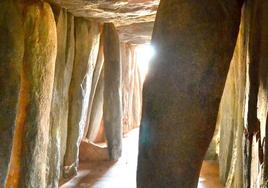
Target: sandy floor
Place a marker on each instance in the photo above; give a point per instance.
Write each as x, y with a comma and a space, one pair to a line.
122, 174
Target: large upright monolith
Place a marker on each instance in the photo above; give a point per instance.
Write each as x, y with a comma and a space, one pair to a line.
60, 98
112, 91
86, 51
11, 57
194, 43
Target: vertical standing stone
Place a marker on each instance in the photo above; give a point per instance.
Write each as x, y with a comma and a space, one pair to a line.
112, 91
231, 119
97, 111
38, 77
194, 43
132, 83
263, 90
137, 93
257, 53
96, 79
60, 103
70, 45
11, 57
86, 51
252, 126
131, 87
125, 53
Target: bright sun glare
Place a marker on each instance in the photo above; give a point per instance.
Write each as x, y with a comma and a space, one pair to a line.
144, 53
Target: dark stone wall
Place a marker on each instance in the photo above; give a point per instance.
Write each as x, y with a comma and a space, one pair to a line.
11, 58
194, 44
243, 111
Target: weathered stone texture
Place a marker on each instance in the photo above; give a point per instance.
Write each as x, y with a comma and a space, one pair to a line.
246, 92
86, 50
11, 57
133, 18
127, 86
256, 48
183, 89
112, 105
60, 100
38, 74
136, 33
96, 114
137, 92
132, 83
231, 120
120, 12
213, 149
263, 87
96, 97
91, 152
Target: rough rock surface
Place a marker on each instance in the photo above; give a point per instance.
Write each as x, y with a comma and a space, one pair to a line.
213, 149
131, 87
262, 29
86, 51
11, 57
96, 97
97, 111
251, 50
120, 12
112, 104
133, 18
136, 33
38, 76
127, 90
92, 152
60, 100
183, 89
136, 107
231, 120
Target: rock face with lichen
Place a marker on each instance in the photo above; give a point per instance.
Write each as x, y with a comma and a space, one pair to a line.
183, 89
38, 76
33, 38
34, 42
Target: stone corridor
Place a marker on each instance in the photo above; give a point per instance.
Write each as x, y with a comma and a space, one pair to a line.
133, 93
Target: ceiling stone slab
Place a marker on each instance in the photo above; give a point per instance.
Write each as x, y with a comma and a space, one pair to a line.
132, 18
136, 33
120, 12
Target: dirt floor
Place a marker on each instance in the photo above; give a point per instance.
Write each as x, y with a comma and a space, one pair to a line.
122, 174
